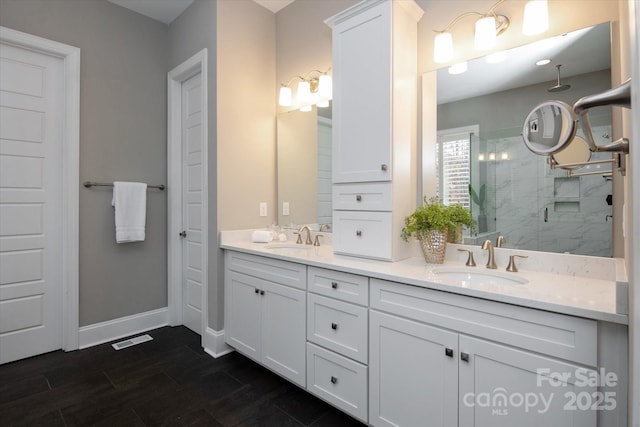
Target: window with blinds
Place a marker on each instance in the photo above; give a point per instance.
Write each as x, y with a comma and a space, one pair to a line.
453, 157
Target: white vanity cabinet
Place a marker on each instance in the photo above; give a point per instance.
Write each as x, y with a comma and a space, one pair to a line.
374, 126
265, 305
337, 334
454, 360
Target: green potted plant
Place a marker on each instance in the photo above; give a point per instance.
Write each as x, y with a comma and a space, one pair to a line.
459, 217
431, 223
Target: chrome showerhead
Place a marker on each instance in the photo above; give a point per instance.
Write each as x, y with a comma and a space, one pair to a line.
558, 87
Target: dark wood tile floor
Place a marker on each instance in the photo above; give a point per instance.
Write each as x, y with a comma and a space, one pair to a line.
169, 381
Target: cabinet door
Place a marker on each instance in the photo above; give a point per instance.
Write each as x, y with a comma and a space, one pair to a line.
413, 373
501, 386
284, 331
362, 97
242, 313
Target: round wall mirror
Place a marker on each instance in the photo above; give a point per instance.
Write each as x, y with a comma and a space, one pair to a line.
549, 128
575, 152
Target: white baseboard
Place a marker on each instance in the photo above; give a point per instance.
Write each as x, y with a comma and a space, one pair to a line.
213, 343
111, 330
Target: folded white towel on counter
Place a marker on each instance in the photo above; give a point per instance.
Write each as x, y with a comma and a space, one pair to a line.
261, 236
130, 203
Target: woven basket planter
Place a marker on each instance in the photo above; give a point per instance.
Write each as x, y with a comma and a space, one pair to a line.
433, 244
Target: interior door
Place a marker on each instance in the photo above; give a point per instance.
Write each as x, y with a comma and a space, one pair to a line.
192, 196
31, 102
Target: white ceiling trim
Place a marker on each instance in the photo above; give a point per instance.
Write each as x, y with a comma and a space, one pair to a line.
161, 10
274, 5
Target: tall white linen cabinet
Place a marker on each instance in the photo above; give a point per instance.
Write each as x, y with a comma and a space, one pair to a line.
374, 126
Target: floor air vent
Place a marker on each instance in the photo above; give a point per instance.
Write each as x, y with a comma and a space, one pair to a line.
132, 341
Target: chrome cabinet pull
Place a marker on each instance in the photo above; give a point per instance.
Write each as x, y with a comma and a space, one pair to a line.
546, 214
359, 233
182, 234
334, 285
261, 292
464, 356
257, 291
334, 326
358, 198
448, 352
383, 167
334, 380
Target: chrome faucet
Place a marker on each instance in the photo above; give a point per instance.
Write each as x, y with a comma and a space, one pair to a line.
301, 230
491, 261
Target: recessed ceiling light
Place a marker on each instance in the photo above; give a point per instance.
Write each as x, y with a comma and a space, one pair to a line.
543, 62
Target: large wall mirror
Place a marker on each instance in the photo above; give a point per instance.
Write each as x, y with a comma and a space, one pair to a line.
304, 168
473, 152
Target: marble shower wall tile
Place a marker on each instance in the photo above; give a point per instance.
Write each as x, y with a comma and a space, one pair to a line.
577, 210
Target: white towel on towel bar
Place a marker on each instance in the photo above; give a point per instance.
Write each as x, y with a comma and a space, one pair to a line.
130, 203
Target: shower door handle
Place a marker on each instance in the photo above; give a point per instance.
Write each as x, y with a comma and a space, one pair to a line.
546, 214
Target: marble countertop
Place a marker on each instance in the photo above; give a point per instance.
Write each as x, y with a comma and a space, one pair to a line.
589, 287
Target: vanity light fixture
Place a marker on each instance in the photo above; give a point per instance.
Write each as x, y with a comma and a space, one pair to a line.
489, 26
315, 87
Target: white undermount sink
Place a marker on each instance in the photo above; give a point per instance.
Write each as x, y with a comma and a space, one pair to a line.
287, 246
477, 276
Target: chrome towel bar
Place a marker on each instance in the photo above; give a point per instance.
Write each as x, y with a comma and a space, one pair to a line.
89, 184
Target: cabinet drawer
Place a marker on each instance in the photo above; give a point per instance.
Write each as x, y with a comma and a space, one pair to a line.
344, 286
274, 270
366, 234
362, 197
558, 335
338, 380
338, 325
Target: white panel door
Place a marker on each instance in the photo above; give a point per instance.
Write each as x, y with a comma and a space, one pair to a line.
192, 197
31, 105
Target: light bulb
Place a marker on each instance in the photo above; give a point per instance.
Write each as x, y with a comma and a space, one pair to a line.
485, 33
303, 95
285, 96
536, 17
443, 48
325, 87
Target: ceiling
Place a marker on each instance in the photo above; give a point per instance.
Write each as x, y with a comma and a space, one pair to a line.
582, 51
589, 52
167, 10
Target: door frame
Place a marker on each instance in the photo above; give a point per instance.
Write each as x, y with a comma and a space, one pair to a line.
70, 146
189, 68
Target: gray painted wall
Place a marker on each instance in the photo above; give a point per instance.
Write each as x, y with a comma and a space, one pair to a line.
192, 31
123, 111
